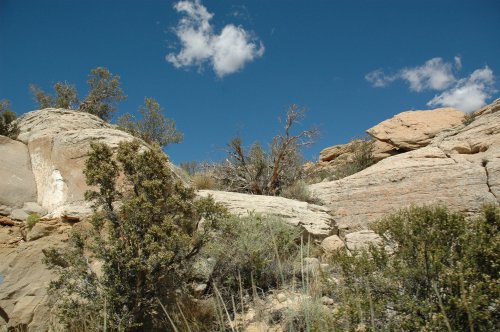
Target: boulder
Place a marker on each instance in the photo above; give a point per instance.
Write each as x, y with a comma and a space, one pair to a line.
333, 152
460, 169
58, 141
360, 240
332, 244
415, 129
18, 183
314, 219
23, 291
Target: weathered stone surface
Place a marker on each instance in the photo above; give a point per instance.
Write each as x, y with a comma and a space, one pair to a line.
41, 229
58, 141
382, 150
314, 219
17, 184
332, 244
415, 129
459, 169
361, 240
19, 214
332, 152
23, 292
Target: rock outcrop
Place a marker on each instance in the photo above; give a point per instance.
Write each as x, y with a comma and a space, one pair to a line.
313, 219
16, 178
415, 129
24, 277
58, 142
459, 169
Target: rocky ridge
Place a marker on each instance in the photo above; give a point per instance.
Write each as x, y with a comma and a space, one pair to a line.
457, 165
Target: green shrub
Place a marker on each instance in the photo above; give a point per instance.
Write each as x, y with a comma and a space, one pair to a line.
8, 126
362, 157
300, 192
261, 171
153, 127
203, 181
254, 251
32, 220
145, 245
443, 274
309, 315
469, 118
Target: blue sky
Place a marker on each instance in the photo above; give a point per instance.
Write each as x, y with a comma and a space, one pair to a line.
226, 67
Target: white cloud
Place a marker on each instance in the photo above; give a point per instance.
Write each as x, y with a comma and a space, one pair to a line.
435, 74
458, 62
227, 52
467, 94
378, 79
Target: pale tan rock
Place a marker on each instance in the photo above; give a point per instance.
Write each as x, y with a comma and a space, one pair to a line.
333, 152
23, 292
39, 230
382, 150
17, 183
332, 244
314, 219
59, 141
459, 169
415, 129
360, 240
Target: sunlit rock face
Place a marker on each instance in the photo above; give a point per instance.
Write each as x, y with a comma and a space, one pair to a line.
459, 168
58, 142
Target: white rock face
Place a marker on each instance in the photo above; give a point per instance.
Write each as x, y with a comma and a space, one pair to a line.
459, 169
314, 219
17, 183
58, 142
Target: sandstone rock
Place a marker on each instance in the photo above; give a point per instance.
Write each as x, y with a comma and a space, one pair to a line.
58, 141
332, 244
23, 292
459, 169
335, 151
19, 214
414, 129
382, 150
361, 240
17, 181
34, 208
314, 219
41, 229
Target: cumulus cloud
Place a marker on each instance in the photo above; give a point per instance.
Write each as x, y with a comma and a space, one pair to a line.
226, 52
467, 94
435, 74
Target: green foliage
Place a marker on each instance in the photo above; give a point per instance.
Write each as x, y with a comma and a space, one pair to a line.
443, 274
253, 251
203, 181
32, 220
262, 172
362, 157
7, 125
65, 96
145, 244
299, 191
309, 315
154, 127
104, 93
